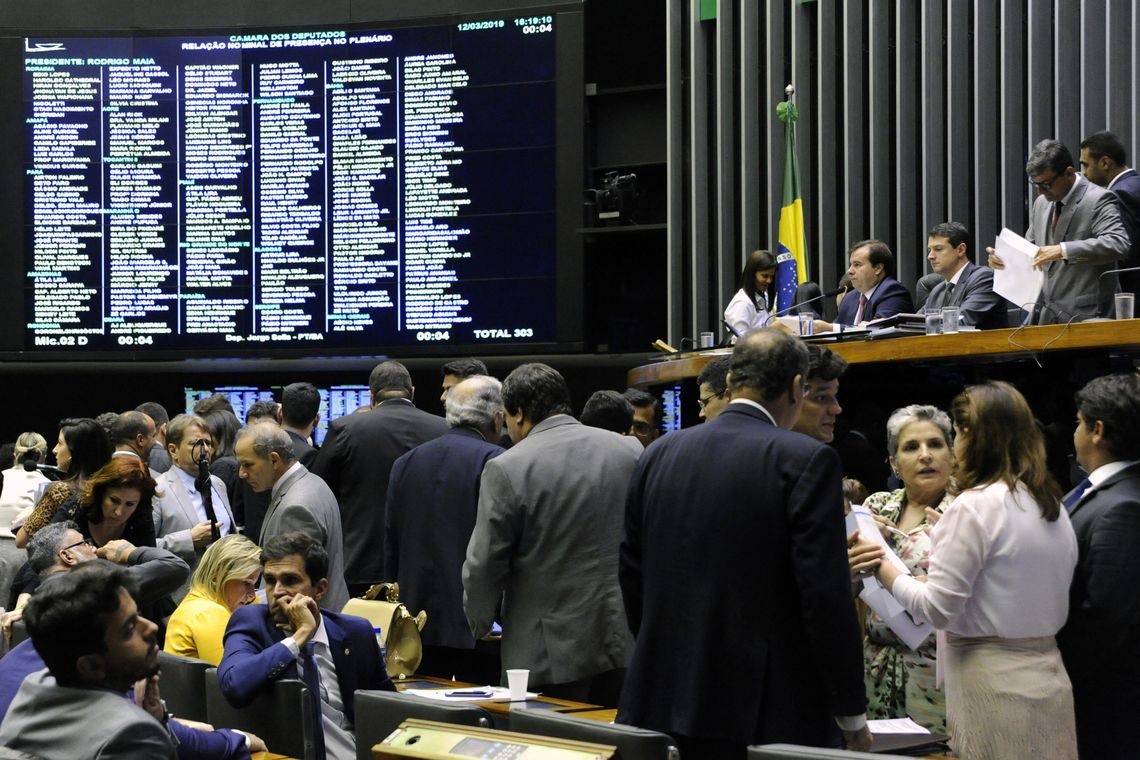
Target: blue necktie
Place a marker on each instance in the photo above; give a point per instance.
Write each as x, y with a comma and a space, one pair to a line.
1076, 494
312, 678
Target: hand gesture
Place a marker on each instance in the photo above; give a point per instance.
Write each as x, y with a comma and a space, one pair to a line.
303, 613
148, 697
201, 536
863, 556
117, 550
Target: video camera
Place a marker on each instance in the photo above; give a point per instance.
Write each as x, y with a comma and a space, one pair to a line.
614, 202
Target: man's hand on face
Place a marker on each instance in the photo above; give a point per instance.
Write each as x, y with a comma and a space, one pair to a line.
303, 613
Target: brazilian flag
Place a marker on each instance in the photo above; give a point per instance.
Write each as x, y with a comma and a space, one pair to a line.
791, 249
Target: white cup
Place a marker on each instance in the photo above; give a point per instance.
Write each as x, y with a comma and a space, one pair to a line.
707, 340
933, 322
516, 682
1125, 305
949, 319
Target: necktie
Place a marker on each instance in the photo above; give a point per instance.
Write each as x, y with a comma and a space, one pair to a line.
949, 292
1056, 216
1076, 494
311, 675
862, 308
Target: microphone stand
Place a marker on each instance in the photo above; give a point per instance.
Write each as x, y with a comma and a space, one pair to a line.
202, 484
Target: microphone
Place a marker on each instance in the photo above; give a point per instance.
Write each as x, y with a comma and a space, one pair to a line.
202, 486
729, 327
821, 296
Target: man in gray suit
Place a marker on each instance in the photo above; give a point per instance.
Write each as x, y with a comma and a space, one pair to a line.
87, 674
299, 500
964, 284
181, 523
1081, 236
545, 544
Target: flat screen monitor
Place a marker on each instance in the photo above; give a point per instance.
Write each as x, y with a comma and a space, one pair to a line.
336, 401
295, 192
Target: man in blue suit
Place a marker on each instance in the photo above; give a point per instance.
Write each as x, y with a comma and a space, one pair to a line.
875, 291
433, 495
292, 637
1105, 162
964, 284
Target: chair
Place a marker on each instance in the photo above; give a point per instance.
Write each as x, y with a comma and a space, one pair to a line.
184, 685
923, 287
12, 754
19, 633
379, 713
632, 743
800, 752
285, 715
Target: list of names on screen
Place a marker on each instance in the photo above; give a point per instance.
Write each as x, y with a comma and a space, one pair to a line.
291, 189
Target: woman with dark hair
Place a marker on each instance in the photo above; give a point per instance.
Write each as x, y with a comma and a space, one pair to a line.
82, 449
224, 426
115, 503
1001, 560
748, 309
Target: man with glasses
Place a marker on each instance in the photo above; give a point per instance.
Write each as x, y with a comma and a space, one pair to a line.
713, 388
1081, 236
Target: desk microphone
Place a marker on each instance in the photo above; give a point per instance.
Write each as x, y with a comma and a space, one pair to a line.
821, 296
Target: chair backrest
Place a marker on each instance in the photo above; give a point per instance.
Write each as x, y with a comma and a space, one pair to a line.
12, 754
923, 286
800, 752
632, 743
19, 633
184, 685
379, 713
285, 715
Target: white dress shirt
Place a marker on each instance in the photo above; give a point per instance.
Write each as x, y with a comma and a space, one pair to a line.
223, 519
997, 568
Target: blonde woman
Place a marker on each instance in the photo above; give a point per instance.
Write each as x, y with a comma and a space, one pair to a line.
224, 580
20, 482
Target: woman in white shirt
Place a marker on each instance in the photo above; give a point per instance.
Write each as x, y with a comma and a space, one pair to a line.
748, 309
21, 483
1001, 561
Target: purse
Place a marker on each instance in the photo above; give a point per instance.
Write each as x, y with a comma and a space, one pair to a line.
397, 630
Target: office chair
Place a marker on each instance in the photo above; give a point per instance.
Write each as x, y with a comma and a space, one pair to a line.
632, 743
285, 715
379, 713
184, 685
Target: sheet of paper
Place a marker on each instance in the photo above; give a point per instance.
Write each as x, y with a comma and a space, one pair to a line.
895, 726
909, 631
1019, 282
497, 692
860, 519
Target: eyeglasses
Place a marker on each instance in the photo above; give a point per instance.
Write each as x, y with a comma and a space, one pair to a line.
1046, 184
87, 541
703, 402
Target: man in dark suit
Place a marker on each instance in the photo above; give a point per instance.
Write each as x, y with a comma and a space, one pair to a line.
432, 498
737, 586
1078, 228
356, 461
292, 637
299, 501
964, 284
876, 293
299, 413
1104, 162
1100, 642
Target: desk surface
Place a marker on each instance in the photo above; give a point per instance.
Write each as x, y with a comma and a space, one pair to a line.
500, 708
981, 345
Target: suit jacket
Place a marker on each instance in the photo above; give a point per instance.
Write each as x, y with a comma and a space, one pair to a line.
42, 722
175, 516
302, 450
1100, 642
1095, 241
251, 661
889, 298
1127, 192
735, 578
23, 660
432, 498
356, 460
304, 502
974, 296
545, 544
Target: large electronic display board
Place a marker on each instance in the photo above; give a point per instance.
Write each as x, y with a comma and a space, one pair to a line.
324, 189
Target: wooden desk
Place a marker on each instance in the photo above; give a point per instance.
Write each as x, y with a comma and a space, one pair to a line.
607, 715
973, 346
498, 708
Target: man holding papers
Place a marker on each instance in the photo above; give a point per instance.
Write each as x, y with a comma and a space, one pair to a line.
1077, 228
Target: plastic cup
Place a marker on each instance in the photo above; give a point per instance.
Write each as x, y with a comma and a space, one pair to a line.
1125, 306
807, 324
933, 322
516, 682
707, 340
949, 319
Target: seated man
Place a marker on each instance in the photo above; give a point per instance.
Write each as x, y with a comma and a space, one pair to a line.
964, 284
292, 637
85, 624
876, 293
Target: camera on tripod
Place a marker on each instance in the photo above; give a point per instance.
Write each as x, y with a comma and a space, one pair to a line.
614, 202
